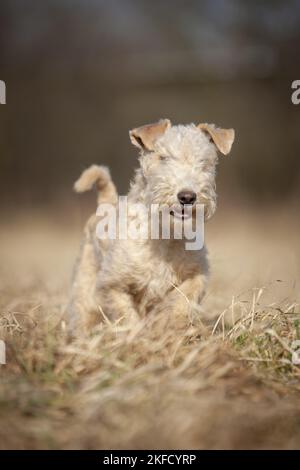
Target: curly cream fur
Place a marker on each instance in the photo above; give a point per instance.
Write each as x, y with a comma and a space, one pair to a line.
130, 278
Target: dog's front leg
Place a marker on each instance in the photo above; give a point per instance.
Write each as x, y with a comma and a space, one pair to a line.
115, 303
185, 298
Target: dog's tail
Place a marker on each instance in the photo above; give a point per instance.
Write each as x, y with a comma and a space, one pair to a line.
98, 176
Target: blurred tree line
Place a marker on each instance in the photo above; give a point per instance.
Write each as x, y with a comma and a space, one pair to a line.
79, 74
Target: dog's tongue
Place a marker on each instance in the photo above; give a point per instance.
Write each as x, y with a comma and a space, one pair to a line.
182, 213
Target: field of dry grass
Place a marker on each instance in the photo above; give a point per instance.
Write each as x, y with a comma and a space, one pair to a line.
225, 379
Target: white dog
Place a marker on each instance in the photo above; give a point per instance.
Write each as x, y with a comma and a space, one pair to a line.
133, 277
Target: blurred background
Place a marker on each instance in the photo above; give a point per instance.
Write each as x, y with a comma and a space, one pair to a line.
81, 73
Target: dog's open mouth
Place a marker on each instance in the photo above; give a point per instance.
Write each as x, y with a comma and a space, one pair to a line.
182, 213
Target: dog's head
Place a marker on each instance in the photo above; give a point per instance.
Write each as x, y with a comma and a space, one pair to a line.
178, 162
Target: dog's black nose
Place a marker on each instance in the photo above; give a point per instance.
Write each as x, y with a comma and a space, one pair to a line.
186, 197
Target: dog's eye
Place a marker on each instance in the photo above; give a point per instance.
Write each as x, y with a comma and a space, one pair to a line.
164, 158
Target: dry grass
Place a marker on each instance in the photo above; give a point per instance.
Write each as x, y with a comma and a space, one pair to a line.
225, 380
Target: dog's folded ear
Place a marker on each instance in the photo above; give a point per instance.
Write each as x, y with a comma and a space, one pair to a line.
144, 137
222, 138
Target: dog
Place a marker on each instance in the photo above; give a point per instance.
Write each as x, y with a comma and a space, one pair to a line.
131, 278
